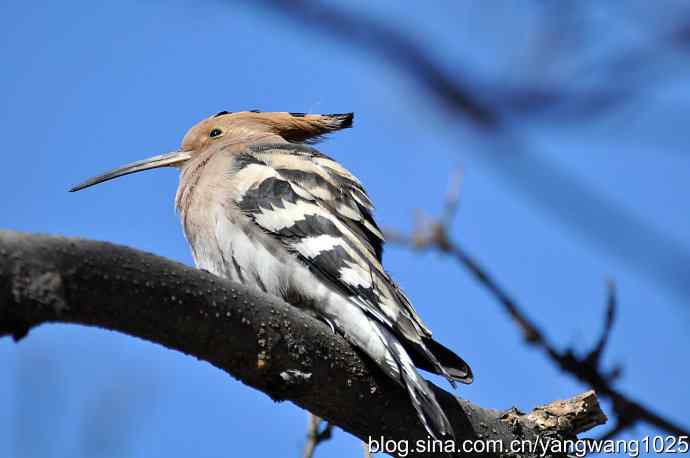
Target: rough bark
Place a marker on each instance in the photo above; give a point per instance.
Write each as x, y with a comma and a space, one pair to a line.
256, 338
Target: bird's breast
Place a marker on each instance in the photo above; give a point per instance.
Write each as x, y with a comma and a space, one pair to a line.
225, 242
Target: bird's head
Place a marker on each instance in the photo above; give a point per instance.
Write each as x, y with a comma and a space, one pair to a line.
226, 128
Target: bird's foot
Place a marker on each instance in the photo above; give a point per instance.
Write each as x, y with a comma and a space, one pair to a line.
328, 322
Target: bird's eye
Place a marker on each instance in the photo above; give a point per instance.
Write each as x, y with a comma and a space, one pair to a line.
215, 133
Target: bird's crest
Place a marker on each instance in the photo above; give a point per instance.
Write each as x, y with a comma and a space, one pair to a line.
294, 127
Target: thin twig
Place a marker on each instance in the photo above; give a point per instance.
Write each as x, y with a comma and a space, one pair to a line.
594, 357
435, 235
367, 453
453, 197
316, 434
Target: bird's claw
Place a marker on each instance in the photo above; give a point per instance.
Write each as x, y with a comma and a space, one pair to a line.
329, 323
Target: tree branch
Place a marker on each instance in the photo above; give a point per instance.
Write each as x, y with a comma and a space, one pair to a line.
434, 234
316, 434
254, 337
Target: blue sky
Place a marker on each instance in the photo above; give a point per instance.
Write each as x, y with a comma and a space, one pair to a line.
88, 86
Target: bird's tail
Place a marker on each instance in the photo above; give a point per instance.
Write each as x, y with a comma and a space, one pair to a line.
431, 356
379, 342
423, 399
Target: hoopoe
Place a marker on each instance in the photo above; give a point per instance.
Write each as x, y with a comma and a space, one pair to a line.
262, 207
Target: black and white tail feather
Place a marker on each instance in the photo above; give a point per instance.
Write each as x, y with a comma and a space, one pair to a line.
428, 410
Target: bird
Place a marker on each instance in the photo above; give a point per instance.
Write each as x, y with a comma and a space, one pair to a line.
261, 206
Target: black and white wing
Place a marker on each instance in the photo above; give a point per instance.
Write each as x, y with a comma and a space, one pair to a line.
320, 212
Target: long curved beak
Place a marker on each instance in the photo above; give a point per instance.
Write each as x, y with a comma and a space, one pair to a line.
163, 160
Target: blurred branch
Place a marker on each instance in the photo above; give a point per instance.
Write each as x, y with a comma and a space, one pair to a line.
434, 235
452, 91
463, 96
620, 75
264, 342
316, 434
